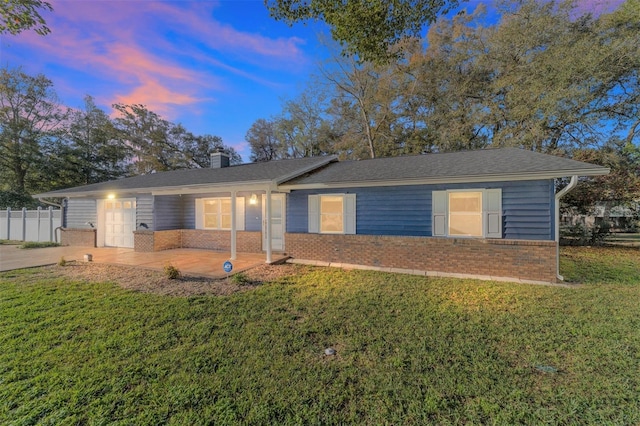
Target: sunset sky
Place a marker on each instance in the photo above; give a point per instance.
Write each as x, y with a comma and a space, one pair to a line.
214, 66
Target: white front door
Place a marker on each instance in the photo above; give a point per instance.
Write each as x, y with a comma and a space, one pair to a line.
277, 222
119, 222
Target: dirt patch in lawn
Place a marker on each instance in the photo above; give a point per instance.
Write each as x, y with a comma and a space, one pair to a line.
153, 281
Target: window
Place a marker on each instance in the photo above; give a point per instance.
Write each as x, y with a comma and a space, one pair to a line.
465, 214
332, 214
472, 213
215, 213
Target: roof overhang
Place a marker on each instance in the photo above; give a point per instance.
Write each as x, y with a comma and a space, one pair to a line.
257, 185
452, 179
163, 190
280, 184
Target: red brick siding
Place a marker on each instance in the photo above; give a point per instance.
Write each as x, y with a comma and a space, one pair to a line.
246, 241
148, 241
249, 242
143, 241
523, 259
78, 237
166, 240
205, 239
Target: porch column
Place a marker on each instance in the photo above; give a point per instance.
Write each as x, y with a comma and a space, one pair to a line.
233, 225
267, 208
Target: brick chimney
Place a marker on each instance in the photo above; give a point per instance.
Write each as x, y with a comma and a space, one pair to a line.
219, 159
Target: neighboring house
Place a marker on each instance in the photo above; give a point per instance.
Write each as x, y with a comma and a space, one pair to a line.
487, 213
621, 218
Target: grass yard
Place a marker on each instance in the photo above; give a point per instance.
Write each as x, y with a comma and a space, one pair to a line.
410, 350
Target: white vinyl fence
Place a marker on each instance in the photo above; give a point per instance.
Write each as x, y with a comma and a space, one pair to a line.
30, 225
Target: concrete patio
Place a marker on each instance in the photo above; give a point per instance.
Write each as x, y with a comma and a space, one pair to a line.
189, 261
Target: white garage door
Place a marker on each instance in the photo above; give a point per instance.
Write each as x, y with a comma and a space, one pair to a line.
120, 222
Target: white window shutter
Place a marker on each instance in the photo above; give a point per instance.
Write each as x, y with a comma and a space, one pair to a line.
199, 213
239, 213
314, 214
349, 214
493, 213
439, 213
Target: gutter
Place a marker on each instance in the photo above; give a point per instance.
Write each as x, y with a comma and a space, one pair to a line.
42, 200
560, 194
433, 180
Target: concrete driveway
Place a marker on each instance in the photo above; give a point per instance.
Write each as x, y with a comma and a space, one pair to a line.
188, 261
12, 257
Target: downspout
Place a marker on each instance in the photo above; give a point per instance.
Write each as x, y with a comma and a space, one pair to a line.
61, 207
560, 194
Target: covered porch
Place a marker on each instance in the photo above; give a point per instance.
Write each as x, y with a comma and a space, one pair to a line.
195, 262
207, 263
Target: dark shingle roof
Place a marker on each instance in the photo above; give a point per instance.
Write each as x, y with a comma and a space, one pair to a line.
454, 166
272, 171
488, 164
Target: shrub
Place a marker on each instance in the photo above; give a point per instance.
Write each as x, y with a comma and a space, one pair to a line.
240, 279
36, 244
171, 271
62, 262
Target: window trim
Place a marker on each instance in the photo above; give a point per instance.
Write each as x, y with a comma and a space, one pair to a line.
200, 214
480, 213
321, 214
218, 214
348, 213
491, 216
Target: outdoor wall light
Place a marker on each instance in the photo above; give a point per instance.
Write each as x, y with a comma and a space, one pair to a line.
111, 196
253, 200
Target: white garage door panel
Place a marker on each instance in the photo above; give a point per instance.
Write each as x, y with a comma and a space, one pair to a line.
120, 219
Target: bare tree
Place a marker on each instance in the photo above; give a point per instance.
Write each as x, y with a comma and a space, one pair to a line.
262, 139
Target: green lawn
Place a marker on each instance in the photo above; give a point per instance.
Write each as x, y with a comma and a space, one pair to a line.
410, 350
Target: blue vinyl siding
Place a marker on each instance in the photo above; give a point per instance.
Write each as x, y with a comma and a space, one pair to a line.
168, 212
527, 208
399, 211
252, 214
298, 210
379, 211
81, 211
144, 210
189, 207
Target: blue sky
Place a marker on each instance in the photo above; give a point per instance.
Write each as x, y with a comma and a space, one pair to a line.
214, 66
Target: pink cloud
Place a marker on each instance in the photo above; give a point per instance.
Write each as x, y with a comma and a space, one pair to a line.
157, 97
141, 76
133, 60
239, 146
124, 44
